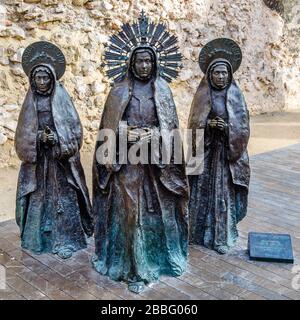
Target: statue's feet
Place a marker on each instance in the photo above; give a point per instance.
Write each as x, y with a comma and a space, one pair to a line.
99, 265
136, 287
222, 249
65, 253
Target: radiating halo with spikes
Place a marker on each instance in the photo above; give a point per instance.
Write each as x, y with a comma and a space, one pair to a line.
142, 33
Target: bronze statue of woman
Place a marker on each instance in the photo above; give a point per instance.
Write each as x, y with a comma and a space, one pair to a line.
53, 209
218, 196
140, 209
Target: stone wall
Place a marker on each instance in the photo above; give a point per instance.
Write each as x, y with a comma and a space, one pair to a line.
268, 37
291, 70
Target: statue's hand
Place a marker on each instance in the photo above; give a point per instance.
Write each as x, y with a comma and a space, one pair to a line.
48, 136
51, 138
44, 137
139, 135
212, 123
221, 124
146, 136
132, 135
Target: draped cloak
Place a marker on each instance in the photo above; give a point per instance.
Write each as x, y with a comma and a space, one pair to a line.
69, 131
171, 184
236, 148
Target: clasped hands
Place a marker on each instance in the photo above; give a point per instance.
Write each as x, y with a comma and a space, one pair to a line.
48, 136
217, 123
135, 134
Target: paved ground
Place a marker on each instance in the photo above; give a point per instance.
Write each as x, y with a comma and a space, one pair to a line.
273, 207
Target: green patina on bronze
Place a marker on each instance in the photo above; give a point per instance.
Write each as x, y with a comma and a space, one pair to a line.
141, 227
53, 209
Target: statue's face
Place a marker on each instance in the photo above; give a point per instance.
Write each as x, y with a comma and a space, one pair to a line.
220, 76
42, 81
143, 65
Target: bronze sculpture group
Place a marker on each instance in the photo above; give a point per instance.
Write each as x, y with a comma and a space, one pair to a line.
141, 208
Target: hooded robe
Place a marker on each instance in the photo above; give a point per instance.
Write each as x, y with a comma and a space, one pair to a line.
53, 209
141, 222
218, 196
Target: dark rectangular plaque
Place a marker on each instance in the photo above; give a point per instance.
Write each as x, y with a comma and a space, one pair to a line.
270, 247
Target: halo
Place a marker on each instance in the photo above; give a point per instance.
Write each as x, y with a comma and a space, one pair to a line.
43, 52
220, 48
142, 33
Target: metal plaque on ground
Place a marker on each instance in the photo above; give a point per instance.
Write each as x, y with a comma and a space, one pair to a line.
270, 247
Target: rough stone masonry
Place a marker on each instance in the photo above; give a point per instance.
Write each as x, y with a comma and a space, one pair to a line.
266, 30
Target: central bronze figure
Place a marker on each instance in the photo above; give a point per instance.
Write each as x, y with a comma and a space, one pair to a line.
140, 209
